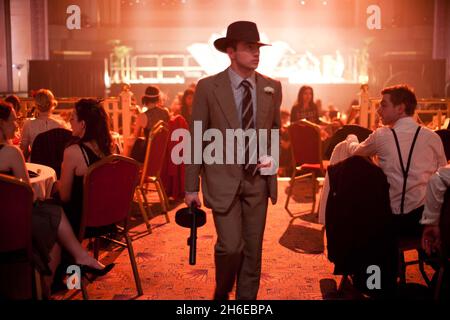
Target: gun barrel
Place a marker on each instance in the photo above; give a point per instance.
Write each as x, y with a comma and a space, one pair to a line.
193, 239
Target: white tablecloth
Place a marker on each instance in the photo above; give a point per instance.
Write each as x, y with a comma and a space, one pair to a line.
42, 185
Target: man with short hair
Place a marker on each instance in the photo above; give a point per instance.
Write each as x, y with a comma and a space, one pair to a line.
408, 154
237, 98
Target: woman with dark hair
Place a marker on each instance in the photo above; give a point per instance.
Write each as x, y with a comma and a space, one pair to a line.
50, 227
93, 141
186, 104
155, 112
305, 108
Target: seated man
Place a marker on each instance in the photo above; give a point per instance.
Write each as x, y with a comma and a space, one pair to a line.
437, 186
433, 240
408, 154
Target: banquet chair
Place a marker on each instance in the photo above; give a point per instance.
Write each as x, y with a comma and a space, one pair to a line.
48, 148
108, 193
151, 172
444, 134
340, 135
407, 244
172, 175
306, 148
18, 277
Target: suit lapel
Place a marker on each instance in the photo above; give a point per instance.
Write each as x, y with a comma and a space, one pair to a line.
225, 98
263, 100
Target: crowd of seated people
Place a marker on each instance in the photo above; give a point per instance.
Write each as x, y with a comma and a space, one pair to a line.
399, 139
51, 229
409, 155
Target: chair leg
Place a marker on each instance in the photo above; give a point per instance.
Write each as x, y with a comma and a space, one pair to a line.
38, 284
341, 287
437, 291
402, 267
291, 187
83, 288
134, 265
163, 199
166, 198
314, 183
422, 271
140, 193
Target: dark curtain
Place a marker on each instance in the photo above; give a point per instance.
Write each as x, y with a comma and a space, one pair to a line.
69, 78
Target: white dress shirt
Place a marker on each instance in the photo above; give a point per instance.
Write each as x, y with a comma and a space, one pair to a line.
428, 156
437, 186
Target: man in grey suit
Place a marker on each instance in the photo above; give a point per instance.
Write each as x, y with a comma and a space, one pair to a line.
237, 193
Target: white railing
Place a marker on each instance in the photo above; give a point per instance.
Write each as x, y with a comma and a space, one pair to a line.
424, 106
112, 107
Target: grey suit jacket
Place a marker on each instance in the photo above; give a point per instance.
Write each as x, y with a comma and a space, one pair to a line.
215, 107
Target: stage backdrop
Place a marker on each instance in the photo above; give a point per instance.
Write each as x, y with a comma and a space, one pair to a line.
71, 78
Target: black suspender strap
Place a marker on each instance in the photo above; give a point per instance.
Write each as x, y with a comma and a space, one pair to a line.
405, 171
83, 151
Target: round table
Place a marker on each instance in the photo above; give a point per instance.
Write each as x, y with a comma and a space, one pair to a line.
42, 185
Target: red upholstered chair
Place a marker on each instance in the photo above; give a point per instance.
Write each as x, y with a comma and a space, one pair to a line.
151, 172
108, 193
306, 146
172, 175
17, 274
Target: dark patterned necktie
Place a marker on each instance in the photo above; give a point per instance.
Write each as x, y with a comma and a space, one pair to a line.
248, 123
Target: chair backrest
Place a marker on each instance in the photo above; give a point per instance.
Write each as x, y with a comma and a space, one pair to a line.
340, 135
444, 134
306, 144
445, 223
16, 203
48, 148
156, 150
108, 191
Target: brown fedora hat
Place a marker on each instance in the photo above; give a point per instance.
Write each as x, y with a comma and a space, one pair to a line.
239, 31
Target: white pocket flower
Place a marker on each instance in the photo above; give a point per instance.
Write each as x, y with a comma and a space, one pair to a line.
269, 90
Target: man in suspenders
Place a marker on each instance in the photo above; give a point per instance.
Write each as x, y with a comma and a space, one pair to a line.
407, 153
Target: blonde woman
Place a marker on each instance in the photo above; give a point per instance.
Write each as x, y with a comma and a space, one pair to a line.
45, 103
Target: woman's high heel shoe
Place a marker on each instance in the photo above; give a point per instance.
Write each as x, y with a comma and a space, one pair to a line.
96, 272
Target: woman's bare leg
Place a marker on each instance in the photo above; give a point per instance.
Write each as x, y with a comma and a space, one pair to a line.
67, 239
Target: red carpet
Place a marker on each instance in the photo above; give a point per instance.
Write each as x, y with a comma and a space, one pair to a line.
294, 264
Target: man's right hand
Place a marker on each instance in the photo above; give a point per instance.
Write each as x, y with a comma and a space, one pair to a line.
192, 197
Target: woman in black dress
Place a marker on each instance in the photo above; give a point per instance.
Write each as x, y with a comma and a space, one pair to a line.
92, 142
305, 108
50, 227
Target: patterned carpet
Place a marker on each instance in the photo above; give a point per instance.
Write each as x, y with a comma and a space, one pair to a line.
294, 265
